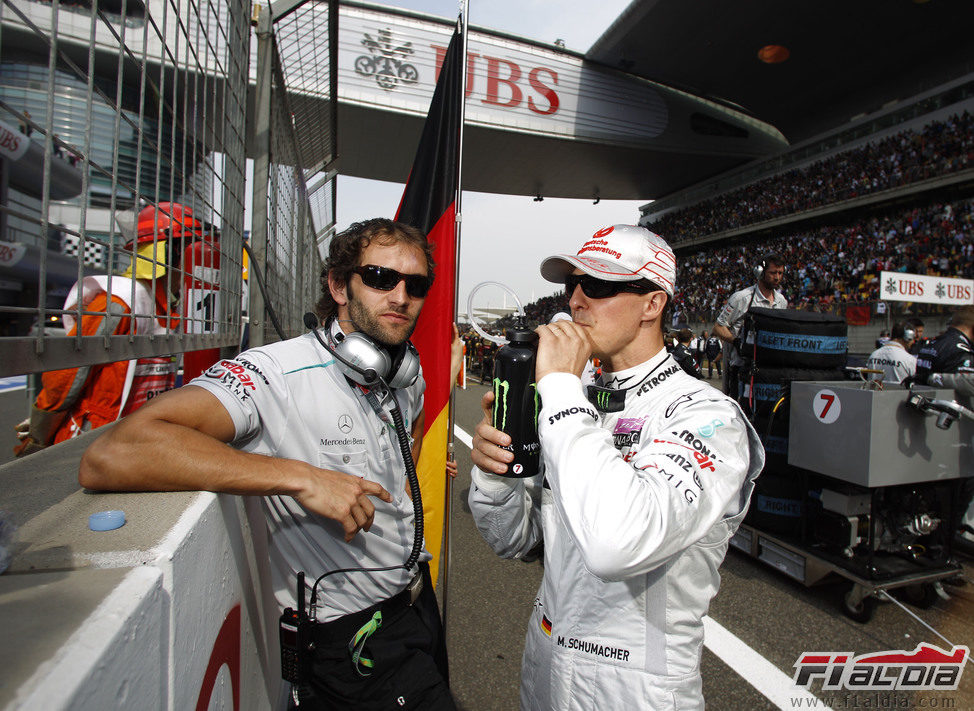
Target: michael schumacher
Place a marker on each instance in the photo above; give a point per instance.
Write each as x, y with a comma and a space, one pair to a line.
636, 501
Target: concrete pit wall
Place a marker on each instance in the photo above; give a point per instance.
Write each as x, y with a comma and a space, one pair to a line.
166, 612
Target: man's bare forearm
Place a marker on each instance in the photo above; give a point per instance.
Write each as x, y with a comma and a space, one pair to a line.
172, 457
178, 442
723, 333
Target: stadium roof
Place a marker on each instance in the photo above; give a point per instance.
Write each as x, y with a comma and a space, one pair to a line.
845, 58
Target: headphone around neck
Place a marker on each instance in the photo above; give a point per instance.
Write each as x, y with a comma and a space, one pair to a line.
367, 363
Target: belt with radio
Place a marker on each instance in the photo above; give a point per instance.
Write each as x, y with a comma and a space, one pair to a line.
366, 365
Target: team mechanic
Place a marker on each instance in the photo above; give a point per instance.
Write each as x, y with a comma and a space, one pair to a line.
948, 362
322, 453
730, 320
894, 357
636, 502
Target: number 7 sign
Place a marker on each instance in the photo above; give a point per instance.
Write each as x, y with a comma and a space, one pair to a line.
826, 406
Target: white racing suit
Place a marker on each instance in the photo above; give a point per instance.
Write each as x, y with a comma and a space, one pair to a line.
636, 502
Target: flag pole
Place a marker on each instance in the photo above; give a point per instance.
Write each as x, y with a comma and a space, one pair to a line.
457, 227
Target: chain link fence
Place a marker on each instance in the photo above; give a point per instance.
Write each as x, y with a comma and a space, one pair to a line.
294, 166
122, 143
124, 132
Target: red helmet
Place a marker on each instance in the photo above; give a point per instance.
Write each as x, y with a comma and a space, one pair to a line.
168, 220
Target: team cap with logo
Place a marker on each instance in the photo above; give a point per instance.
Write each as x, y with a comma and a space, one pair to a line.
618, 253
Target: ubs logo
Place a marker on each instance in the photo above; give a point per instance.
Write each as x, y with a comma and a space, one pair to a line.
387, 62
345, 423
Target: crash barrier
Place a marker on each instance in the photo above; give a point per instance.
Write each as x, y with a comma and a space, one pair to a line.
169, 611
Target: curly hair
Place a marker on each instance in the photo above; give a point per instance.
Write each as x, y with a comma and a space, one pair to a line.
345, 253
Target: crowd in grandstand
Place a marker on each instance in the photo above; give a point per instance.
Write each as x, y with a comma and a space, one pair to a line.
834, 264
941, 147
826, 265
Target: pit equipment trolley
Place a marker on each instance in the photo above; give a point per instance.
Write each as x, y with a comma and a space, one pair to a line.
879, 476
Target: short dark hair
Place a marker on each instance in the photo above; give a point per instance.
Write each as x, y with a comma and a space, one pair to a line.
345, 252
963, 316
915, 322
899, 330
684, 335
773, 260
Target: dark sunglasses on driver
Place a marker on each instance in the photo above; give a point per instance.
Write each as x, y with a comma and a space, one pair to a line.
600, 289
385, 279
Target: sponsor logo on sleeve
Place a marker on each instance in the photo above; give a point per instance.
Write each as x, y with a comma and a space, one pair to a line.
710, 430
236, 376
567, 412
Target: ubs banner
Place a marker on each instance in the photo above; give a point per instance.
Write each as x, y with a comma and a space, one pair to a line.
392, 62
896, 286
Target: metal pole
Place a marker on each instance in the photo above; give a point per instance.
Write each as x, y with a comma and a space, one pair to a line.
448, 508
262, 143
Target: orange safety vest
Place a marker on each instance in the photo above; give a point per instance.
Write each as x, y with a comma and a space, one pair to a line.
97, 395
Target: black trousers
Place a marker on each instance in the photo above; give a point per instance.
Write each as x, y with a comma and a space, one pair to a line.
711, 363
732, 382
409, 653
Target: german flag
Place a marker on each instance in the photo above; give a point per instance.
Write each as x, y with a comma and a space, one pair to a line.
429, 204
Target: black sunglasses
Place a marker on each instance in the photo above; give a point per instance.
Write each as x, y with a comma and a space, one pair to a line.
599, 289
385, 279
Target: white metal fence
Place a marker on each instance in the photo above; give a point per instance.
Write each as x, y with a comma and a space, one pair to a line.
108, 108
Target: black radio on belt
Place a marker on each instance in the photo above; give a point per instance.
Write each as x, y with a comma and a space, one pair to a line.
296, 640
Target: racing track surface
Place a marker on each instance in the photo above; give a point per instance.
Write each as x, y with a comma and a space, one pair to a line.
772, 616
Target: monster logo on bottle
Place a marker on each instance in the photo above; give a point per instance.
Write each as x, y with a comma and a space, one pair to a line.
501, 389
516, 402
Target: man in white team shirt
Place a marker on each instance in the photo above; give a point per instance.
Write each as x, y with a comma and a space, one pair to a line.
770, 273
894, 357
285, 422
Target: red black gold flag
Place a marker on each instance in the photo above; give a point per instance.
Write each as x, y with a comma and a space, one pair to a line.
429, 204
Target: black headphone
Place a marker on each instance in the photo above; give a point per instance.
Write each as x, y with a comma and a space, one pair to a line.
759, 269
363, 361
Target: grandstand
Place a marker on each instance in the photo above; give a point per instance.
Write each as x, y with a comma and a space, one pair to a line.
891, 192
898, 200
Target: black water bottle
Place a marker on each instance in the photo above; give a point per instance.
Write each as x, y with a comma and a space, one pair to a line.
516, 402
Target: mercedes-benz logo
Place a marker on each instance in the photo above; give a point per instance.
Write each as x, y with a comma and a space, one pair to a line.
345, 423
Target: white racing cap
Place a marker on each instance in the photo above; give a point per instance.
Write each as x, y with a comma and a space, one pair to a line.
618, 253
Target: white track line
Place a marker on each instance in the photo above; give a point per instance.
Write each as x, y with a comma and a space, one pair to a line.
462, 436
751, 666
755, 669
